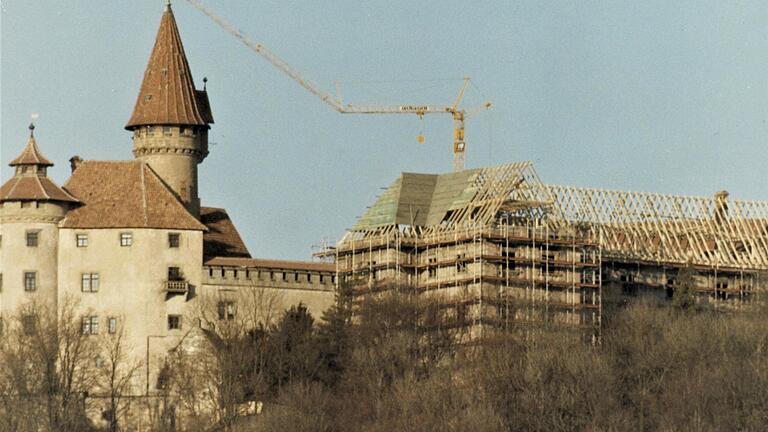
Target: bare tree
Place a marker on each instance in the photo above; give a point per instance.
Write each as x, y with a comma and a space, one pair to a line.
117, 371
49, 367
219, 365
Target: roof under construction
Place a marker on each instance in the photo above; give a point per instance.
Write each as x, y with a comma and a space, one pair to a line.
441, 200
712, 231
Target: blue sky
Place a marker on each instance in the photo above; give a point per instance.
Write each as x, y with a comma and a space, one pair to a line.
656, 96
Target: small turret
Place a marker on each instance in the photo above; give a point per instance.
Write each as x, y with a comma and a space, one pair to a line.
31, 207
30, 182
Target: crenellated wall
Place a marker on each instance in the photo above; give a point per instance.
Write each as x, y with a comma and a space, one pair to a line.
313, 288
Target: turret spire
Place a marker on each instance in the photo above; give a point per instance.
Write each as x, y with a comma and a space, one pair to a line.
31, 182
168, 96
31, 154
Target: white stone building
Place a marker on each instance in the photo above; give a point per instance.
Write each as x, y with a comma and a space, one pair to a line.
129, 240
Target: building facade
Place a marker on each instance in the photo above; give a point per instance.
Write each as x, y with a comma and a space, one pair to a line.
128, 242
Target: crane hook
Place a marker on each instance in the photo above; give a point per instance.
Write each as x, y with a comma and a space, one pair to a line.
420, 137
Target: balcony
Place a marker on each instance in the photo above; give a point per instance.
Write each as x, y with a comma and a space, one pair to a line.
176, 286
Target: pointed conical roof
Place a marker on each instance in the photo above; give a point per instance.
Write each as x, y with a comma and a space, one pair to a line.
168, 95
31, 154
32, 185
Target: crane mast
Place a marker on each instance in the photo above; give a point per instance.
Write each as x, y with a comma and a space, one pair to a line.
459, 115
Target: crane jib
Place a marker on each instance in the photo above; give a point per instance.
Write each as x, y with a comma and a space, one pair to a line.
458, 114
414, 108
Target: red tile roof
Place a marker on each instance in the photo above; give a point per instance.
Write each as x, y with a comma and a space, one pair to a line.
125, 194
32, 185
272, 264
222, 238
168, 95
31, 155
33, 188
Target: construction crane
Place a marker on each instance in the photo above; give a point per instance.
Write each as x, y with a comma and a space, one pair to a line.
459, 114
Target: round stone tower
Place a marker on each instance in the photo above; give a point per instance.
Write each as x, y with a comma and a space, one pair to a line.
31, 206
171, 118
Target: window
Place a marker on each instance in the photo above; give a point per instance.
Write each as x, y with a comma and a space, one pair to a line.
174, 274
1, 237
29, 324
91, 325
174, 322
173, 240
112, 325
30, 281
32, 238
1, 282
226, 310
126, 239
82, 240
89, 282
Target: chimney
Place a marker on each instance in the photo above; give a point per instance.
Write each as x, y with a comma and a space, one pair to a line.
75, 162
721, 206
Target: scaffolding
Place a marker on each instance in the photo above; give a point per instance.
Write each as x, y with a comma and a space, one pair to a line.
493, 257
500, 249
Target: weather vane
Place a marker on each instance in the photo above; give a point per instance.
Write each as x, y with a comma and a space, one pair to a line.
33, 117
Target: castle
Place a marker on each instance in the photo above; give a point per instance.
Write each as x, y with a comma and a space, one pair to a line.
132, 243
128, 241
